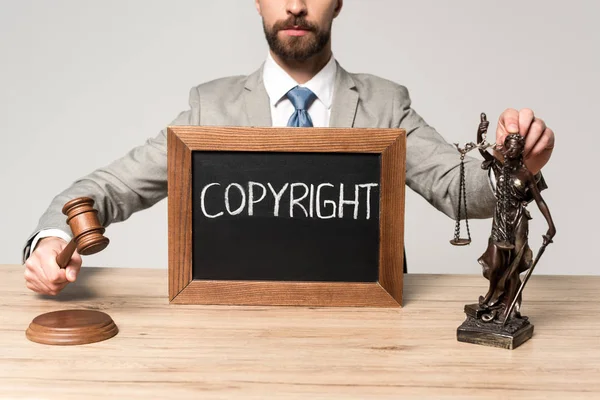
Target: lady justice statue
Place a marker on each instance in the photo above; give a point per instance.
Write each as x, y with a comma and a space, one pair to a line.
496, 319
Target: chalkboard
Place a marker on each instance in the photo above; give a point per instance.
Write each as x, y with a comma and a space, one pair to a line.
286, 216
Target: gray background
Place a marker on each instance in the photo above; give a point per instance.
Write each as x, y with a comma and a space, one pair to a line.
81, 82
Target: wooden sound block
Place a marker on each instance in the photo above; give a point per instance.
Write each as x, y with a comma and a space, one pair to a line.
71, 327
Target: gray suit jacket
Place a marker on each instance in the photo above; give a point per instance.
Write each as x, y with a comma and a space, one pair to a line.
139, 179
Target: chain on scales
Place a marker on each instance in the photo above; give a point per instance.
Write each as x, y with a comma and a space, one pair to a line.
500, 231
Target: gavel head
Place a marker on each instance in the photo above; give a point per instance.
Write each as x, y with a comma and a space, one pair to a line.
82, 217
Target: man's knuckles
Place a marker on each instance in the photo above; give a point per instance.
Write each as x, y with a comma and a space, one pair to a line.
32, 287
29, 275
526, 113
57, 278
56, 288
31, 263
538, 125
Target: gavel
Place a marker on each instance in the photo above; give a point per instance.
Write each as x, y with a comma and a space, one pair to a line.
88, 236
75, 327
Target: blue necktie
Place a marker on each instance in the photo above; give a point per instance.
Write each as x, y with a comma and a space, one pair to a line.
301, 99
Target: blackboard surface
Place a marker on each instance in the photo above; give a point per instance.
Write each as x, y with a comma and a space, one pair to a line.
302, 236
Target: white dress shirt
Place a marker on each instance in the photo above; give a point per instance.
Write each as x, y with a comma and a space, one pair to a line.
277, 83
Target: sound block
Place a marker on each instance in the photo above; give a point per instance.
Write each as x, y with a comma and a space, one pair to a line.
71, 327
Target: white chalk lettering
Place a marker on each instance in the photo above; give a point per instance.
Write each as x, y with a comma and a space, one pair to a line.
318, 201
202, 203
242, 203
343, 202
251, 201
311, 205
277, 196
368, 186
296, 201
314, 200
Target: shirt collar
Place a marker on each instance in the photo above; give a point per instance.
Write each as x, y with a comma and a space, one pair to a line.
278, 82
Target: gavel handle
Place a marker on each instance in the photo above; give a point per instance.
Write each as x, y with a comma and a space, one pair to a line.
65, 256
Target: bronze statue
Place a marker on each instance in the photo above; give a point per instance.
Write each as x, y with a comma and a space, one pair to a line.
496, 319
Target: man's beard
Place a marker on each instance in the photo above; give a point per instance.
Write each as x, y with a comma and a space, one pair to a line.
297, 48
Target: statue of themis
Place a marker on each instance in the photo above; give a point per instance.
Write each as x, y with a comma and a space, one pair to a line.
496, 319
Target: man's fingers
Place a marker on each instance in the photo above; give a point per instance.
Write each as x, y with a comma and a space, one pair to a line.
53, 273
534, 135
507, 123
33, 287
51, 279
57, 288
34, 275
73, 268
31, 281
545, 144
72, 273
42, 273
510, 120
526, 118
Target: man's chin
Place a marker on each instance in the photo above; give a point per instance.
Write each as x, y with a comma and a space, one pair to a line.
294, 51
295, 55
295, 48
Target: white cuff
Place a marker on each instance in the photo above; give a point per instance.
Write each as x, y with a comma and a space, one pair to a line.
48, 233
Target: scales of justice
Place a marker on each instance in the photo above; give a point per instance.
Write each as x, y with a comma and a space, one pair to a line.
495, 320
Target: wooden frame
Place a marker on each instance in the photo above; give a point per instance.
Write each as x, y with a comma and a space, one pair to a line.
389, 143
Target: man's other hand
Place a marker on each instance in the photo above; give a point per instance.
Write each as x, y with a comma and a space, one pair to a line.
539, 139
42, 273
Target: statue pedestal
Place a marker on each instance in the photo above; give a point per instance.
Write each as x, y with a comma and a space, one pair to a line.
510, 336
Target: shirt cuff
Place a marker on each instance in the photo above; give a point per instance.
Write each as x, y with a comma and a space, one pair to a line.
47, 233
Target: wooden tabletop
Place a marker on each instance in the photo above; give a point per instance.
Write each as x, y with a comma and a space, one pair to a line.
190, 352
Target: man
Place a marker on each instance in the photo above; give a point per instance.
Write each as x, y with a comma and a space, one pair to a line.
300, 84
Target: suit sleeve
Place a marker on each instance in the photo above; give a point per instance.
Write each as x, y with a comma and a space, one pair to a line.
433, 165
132, 183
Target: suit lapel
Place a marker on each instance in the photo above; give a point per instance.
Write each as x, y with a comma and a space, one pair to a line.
345, 100
256, 100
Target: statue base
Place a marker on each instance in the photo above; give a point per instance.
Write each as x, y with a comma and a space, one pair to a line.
510, 336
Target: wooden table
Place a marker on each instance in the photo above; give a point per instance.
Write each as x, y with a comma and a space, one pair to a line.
191, 352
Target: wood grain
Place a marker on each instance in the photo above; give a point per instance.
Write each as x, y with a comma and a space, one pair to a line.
249, 352
317, 294
320, 140
179, 167
390, 143
391, 254
71, 327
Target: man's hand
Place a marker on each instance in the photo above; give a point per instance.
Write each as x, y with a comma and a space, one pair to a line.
539, 139
42, 273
